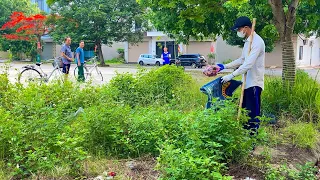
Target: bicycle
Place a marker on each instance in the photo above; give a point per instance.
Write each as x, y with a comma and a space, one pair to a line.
31, 73
91, 72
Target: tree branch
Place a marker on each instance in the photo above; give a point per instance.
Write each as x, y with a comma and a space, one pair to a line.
291, 16
278, 16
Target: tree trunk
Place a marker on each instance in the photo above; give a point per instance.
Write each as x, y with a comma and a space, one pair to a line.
100, 55
288, 61
284, 23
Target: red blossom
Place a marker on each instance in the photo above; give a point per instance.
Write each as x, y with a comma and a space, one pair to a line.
26, 28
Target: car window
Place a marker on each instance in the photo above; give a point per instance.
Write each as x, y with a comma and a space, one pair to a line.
193, 56
150, 56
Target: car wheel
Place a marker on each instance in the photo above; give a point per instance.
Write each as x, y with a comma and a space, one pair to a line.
157, 63
193, 65
141, 63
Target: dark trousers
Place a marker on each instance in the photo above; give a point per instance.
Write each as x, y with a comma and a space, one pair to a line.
81, 73
252, 103
66, 68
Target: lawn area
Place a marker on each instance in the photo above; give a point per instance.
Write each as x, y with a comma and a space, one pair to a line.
153, 125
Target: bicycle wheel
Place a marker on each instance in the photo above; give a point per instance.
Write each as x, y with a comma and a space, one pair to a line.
95, 76
75, 72
30, 75
56, 75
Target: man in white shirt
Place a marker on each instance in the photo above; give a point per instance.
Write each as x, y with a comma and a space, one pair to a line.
252, 65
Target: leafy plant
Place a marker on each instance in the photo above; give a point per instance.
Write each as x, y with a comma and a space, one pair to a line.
208, 141
306, 172
120, 52
227, 61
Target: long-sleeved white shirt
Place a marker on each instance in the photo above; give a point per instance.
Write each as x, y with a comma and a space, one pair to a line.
252, 64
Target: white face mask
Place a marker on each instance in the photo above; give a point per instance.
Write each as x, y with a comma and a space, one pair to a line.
241, 34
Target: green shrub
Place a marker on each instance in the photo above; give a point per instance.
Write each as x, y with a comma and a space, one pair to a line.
120, 52
37, 129
227, 61
304, 135
302, 102
119, 60
306, 172
148, 113
208, 141
161, 86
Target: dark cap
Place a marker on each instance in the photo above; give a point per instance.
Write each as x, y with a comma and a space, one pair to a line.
241, 22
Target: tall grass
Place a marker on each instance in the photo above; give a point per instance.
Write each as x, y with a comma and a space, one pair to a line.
300, 103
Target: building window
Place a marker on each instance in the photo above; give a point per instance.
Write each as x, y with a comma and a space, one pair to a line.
300, 52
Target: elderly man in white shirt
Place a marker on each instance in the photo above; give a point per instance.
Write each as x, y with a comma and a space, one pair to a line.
252, 65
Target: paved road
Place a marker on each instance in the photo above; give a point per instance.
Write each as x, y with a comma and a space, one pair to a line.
109, 72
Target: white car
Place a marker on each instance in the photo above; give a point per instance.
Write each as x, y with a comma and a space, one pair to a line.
149, 59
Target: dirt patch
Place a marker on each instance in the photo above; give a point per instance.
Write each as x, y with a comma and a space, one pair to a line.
290, 155
241, 172
135, 169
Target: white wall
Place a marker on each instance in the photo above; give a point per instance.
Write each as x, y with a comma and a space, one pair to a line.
111, 52
311, 54
315, 58
225, 51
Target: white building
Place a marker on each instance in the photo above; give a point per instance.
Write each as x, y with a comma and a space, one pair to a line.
154, 41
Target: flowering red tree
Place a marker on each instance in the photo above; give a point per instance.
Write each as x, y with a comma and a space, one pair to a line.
27, 28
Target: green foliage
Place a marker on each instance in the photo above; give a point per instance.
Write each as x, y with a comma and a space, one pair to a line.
207, 141
300, 102
185, 19
304, 135
120, 52
99, 21
167, 84
158, 112
227, 61
51, 126
115, 61
306, 172
211, 55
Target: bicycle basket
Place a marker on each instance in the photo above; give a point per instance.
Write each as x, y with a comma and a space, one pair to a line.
58, 62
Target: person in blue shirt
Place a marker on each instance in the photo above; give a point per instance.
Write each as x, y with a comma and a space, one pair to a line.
80, 61
166, 56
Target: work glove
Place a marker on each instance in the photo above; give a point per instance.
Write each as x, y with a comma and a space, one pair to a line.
227, 78
221, 67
